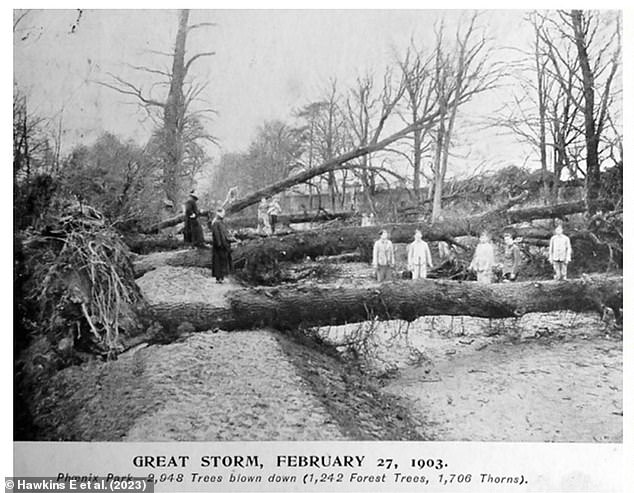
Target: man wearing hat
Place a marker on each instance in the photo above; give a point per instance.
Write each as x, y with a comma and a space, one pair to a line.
221, 247
193, 231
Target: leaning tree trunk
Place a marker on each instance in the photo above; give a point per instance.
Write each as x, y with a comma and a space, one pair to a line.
310, 306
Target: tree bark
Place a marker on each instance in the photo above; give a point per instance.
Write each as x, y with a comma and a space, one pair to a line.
290, 308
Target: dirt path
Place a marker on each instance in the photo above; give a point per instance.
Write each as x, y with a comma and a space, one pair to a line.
229, 386
215, 386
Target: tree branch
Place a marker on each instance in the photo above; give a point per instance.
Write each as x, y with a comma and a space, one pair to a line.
196, 57
128, 88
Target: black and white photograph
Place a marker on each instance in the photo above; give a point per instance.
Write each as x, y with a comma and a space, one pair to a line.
318, 226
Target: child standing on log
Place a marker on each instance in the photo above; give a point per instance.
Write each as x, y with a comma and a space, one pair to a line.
512, 258
483, 259
263, 217
418, 257
560, 253
274, 211
383, 257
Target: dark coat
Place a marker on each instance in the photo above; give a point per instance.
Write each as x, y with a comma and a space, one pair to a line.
193, 231
221, 249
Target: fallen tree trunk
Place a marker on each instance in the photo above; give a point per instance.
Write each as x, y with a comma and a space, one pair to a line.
252, 221
168, 223
302, 177
335, 241
303, 217
290, 308
146, 243
331, 165
190, 257
313, 243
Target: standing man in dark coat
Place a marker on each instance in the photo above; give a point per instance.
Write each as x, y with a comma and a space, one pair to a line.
193, 231
221, 247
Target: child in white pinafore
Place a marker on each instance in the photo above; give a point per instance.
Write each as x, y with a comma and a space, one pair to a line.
484, 259
418, 257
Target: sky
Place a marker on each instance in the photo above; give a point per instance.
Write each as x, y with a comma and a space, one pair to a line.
266, 63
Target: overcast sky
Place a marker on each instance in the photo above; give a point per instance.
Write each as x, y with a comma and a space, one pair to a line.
267, 62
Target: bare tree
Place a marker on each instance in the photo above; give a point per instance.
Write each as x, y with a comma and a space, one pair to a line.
328, 134
587, 80
180, 128
543, 112
459, 74
309, 115
418, 82
367, 112
31, 146
542, 92
585, 26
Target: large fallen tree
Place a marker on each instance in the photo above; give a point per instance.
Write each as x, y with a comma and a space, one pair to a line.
334, 241
302, 217
238, 222
312, 243
336, 163
289, 308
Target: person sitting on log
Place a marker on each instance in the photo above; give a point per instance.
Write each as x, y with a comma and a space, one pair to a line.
383, 257
560, 253
193, 231
512, 258
221, 247
418, 257
483, 259
274, 211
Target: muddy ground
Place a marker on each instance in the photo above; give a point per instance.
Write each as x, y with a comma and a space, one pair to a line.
545, 377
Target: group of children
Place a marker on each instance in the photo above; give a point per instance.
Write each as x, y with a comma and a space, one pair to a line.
483, 263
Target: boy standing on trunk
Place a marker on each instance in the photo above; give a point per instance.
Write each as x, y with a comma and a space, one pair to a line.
560, 253
512, 258
274, 211
383, 257
418, 257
